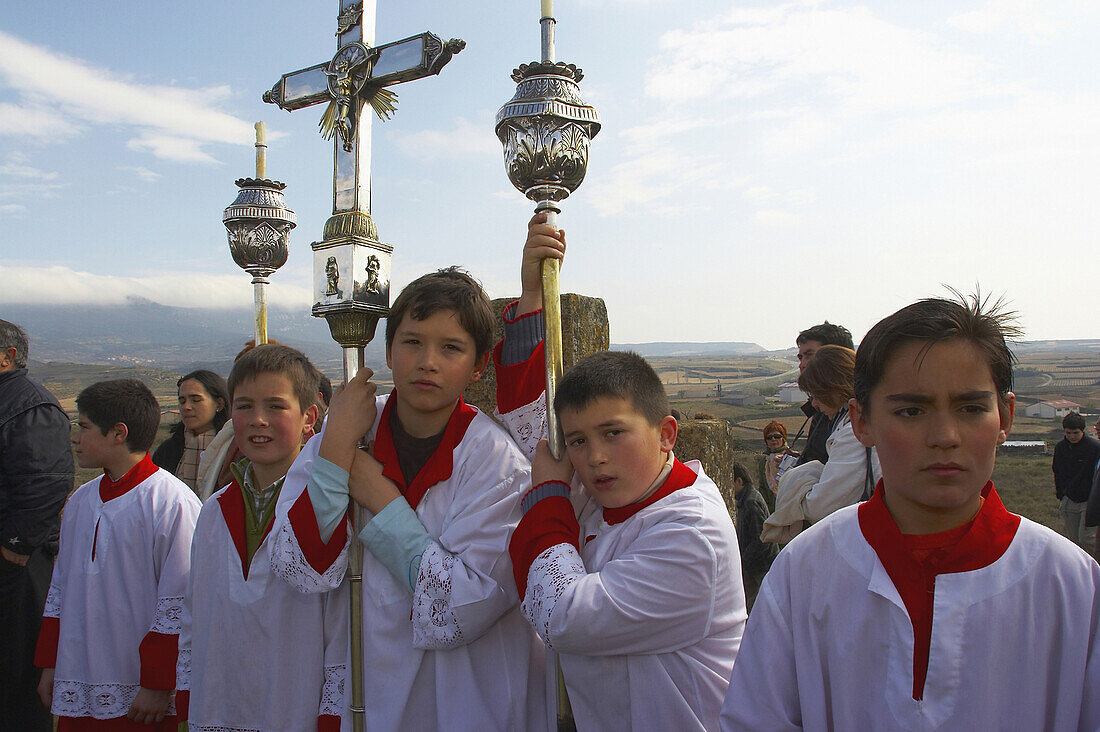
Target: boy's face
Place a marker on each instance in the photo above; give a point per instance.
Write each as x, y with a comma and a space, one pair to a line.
433, 361
268, 422
1074, 436
936, 423
92, 448
616, 452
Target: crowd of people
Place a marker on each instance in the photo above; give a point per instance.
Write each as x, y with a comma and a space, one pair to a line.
488, 563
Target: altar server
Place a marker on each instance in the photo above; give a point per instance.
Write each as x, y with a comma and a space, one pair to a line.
626, 558
445, 644
255, 654
930, 606
111, 625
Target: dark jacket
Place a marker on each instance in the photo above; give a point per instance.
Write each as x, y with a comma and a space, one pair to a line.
820, 427
36, 464
1074, 465
170, 452
756, 556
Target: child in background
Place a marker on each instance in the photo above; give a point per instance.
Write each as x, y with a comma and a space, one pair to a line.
444, 641
929, 606
626, 558
254, 653
109, 636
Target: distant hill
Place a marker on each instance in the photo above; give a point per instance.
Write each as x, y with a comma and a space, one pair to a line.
681, 349
144, 333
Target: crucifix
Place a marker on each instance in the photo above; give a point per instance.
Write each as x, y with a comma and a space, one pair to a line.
351, 266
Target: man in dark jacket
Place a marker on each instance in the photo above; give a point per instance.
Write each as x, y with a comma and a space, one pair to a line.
1074, 464
756, 556
808, 342
36, 476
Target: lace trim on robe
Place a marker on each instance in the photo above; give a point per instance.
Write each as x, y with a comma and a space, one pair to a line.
219, 728
183, 670
526, 424
53, 603
332, 693
167, 615
99, 701
550, 576
434, 623
289, 562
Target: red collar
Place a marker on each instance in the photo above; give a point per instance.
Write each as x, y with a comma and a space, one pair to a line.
439, 466
109, 489
232, 504
681, 477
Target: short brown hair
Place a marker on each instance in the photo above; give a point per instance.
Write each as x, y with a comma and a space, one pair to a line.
973, 319
775, 426
447, 289
129, 401
620, 374
275, 358
829, 375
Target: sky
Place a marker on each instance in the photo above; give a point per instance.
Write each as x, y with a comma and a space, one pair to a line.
762, 166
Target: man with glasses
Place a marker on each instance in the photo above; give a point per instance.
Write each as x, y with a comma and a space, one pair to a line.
36, 476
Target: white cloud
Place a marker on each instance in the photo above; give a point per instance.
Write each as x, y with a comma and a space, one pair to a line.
63, 285
20, 180
1038, 22
8, 209
142, 173
59, 93
462, 140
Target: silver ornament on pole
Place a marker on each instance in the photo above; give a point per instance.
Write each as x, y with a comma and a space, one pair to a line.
258, 225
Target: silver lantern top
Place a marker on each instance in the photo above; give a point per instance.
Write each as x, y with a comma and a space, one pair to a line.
258, 225
545, 129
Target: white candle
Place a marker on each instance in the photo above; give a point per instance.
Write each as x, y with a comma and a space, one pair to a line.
548, 8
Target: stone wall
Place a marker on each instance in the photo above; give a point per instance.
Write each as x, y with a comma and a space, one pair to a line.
710, 441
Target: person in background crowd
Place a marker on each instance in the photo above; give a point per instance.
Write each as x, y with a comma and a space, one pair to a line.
812, 491
756, 555
775, 443
809, 342
36, 476
1092, 511
204, 408
1074, 465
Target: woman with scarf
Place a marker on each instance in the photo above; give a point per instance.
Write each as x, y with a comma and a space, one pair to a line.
204, 408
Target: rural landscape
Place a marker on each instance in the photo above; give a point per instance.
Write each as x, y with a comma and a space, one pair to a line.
732, 381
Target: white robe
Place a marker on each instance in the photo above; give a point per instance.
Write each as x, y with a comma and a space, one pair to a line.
255, 653
648, 626
1015, 645
135, 585
457, 653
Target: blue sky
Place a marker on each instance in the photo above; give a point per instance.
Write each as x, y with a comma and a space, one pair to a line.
762, 166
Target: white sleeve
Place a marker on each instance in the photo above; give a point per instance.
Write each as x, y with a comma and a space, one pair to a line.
526, 424
183, 661
172, 561
843, 477
763, 692
656, 598
335, 613
464, 583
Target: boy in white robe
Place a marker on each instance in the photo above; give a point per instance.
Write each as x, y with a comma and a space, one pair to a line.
254, 653
626, 558
930, 606
109, 636
444, 643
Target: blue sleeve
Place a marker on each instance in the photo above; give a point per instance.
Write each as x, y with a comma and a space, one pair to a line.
520, 338
328, 492
397, 538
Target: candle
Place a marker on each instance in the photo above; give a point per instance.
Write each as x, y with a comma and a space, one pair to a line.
548, 8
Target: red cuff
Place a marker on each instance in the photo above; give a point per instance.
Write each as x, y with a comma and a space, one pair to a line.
521, 383
328, 723
303, 521
550, 522
45, 653
183, 704
158, 653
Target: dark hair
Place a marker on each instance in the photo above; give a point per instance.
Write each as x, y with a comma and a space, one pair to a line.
829, 375
621, 374
448, 289
129, 401
930, 321
324, 385
273, 358
740, 471
1073, 421
215, 388
12, 336
827, 334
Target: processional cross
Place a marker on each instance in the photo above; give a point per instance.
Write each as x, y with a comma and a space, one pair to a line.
351, 267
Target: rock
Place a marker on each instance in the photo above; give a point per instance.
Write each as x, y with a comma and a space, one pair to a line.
710, 441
